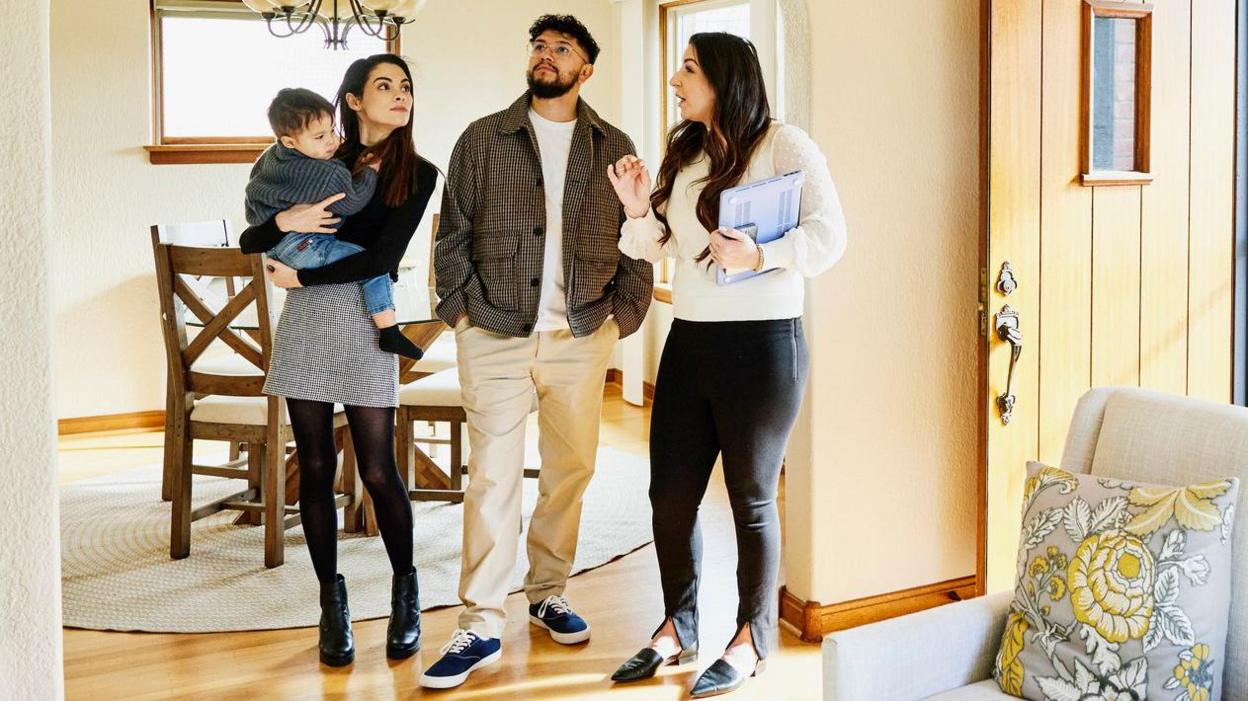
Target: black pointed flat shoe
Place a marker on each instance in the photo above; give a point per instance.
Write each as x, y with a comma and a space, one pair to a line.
644, 664
721, 678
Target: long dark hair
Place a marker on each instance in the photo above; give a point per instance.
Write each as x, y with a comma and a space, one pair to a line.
399, 162
740, 120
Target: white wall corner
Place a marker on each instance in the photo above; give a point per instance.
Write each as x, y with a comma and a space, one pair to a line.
30, 573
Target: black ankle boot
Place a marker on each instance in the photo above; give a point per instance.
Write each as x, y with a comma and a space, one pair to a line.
337, 643
403, 633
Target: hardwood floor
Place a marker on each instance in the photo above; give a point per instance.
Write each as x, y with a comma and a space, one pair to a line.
621, 601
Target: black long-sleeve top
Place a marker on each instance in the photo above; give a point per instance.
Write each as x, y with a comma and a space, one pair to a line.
383, 231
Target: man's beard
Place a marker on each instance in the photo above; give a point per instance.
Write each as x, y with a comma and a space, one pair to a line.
549, 91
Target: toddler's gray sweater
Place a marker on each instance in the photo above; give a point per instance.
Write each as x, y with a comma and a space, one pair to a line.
283, 177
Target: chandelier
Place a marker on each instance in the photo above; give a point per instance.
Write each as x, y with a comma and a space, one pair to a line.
378, 18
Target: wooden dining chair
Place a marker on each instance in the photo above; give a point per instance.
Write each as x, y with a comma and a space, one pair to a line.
215, 233
206, 403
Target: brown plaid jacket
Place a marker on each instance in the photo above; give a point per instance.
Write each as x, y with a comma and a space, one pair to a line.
491, 239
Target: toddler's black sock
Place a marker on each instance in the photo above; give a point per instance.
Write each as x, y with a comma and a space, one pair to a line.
393, 341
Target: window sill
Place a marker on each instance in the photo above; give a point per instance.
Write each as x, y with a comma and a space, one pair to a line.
172, 154
663, 292
1115, 177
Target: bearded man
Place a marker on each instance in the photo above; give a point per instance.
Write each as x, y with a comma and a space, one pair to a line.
530, 276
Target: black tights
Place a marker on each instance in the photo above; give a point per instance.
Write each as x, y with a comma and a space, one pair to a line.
372, 432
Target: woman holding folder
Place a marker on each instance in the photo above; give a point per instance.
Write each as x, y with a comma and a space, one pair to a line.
734, 367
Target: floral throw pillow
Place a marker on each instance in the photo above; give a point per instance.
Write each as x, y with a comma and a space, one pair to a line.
1123, 590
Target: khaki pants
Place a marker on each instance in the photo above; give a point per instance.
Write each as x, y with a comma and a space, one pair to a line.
498, 376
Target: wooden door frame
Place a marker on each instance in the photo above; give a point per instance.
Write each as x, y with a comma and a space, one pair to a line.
985, 312
1239, 354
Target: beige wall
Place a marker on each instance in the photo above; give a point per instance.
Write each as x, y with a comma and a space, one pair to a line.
108, 351
108, 354
888, 498
30, 612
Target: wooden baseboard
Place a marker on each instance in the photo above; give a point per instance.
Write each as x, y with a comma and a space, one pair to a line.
110, 422
615, 376
813, 620
156, 419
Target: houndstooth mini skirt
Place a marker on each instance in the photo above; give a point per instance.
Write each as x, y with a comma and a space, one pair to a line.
325, 350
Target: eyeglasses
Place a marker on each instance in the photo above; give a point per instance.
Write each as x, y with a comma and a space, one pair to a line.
559, 51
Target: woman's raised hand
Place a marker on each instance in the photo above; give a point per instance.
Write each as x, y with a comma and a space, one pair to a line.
631, 181
309, 218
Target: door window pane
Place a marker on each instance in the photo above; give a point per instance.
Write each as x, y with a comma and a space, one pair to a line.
1114, 93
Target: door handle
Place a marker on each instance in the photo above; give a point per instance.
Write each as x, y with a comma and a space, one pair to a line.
1008, 331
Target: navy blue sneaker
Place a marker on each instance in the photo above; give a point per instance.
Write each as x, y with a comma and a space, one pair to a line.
465, 653
555, 615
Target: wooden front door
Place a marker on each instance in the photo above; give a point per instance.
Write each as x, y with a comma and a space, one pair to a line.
1128, 283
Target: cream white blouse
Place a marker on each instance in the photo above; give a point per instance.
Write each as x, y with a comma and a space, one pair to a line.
810, 248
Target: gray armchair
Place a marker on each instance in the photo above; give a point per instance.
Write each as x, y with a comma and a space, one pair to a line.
947, 653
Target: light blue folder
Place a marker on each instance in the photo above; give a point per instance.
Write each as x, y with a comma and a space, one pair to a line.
765, 210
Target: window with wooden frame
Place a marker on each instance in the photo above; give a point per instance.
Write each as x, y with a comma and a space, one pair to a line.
679, 20
1117, 92
216, 67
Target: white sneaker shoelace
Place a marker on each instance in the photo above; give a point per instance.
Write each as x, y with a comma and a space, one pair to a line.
558, 604
460, 640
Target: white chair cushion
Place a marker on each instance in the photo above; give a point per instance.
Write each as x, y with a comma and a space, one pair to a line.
246, 411
439, 389
440, 355
979, 691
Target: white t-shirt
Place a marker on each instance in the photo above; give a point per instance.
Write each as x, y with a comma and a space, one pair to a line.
554, 142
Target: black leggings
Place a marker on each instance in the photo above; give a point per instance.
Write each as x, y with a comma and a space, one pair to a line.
372, 432
731, 387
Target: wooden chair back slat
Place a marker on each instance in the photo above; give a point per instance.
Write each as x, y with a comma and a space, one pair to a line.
215, 233
173, 263
229, 385
217, 262
218, 327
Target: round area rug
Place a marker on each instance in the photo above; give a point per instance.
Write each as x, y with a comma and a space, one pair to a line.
117, 575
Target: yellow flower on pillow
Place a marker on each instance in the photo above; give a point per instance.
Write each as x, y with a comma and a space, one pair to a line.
1111, 585
1194, 673
1039, 566
1057, 588
1191, 506
1009, 669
